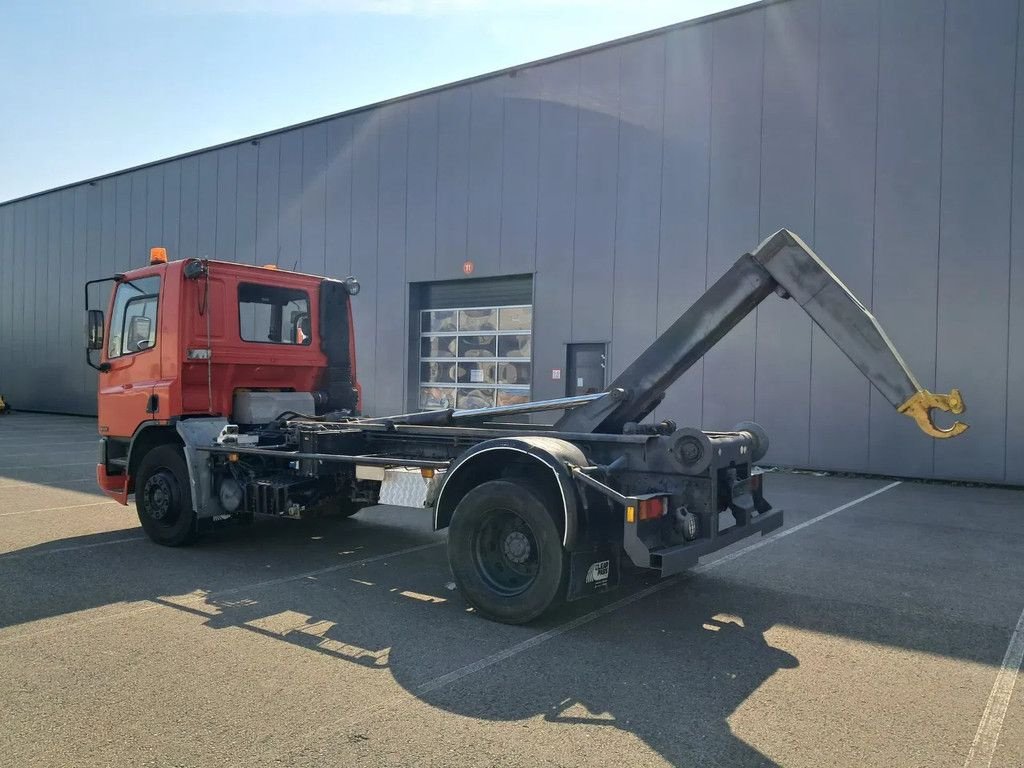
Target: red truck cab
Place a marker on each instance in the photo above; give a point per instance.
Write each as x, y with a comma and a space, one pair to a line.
181, 339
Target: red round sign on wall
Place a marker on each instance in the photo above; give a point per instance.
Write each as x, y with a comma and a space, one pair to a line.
467, 267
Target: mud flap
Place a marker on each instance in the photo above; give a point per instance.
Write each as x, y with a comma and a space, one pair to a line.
593, 570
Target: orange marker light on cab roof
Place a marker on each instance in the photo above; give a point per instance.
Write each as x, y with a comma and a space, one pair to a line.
157, 255
270, 266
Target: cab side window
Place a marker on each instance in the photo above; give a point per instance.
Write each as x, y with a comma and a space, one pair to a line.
272, 314
133, 319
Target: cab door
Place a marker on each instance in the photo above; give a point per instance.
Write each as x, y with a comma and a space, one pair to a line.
126, 387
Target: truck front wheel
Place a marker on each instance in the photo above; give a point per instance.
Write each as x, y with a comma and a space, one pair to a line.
506, 553
163, 497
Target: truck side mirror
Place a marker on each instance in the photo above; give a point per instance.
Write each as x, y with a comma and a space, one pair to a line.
94, 329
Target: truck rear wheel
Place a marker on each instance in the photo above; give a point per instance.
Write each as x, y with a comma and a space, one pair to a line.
506, 553
163, 497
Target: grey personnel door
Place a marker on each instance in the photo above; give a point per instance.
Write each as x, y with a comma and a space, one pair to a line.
585, 369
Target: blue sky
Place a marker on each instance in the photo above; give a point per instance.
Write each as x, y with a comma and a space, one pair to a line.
95, 86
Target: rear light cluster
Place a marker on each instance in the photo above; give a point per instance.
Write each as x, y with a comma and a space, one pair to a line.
647, 509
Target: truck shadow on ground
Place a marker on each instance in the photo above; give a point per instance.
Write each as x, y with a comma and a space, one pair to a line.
670, 675
672, 668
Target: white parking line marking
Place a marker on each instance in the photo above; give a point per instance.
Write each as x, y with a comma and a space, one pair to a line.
987, 738
210, 595
318, 572
551, 634
53, 485
58, 550
57, 509
50, 466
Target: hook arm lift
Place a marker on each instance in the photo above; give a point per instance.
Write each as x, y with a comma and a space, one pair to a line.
785, 265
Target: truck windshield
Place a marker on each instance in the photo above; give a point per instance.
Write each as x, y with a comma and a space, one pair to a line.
273, 314
133, 319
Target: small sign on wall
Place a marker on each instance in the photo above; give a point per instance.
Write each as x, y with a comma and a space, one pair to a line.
468, 267
556, 374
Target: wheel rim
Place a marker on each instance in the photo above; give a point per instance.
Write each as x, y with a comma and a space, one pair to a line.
505, 552
161, 498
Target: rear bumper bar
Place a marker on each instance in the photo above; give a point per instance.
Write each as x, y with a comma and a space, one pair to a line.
757, 518
670, 560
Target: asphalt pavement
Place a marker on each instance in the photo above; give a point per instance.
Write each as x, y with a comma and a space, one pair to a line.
881, 626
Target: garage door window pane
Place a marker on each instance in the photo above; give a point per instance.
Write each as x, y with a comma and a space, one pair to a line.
438, 346
513, 373
513, 396
438, 373
477, 346
515, 345
476, 373
436, 398
438, 320
515, 318
474, 398
478, 319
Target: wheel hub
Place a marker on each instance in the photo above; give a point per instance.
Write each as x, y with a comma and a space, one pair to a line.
159, 497
516, 547
506, 552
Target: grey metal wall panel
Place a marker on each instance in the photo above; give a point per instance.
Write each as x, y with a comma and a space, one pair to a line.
683, 241
634, 314
108, 231
365, 231
782, 352
245, 203
906, 240
391, 300
7, 337
188, 223
54, 281
35, 275
137, 222
268, 178
25, 233
596, 177
314, 199
227, 197
79, 397
974, 243
16, 370
289, 233
556, 209
1015, 345
206, 227
452, 181
844, 218
486, 136
155, 208
421, 223
338, 191
93, 269
733, 204
519, 149
172, 211
122, 219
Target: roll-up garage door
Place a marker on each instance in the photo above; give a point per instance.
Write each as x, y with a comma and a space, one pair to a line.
474, 340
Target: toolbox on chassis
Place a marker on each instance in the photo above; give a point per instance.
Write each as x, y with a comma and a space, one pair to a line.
229, 390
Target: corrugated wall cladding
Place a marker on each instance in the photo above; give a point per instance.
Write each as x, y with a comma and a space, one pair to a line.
627, 178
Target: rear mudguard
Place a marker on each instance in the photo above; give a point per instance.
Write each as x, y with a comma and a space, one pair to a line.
549, 453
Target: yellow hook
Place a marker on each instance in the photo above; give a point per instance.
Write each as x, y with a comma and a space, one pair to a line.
919, 407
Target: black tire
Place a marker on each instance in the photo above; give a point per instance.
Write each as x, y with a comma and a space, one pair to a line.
506, 553
163, 497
